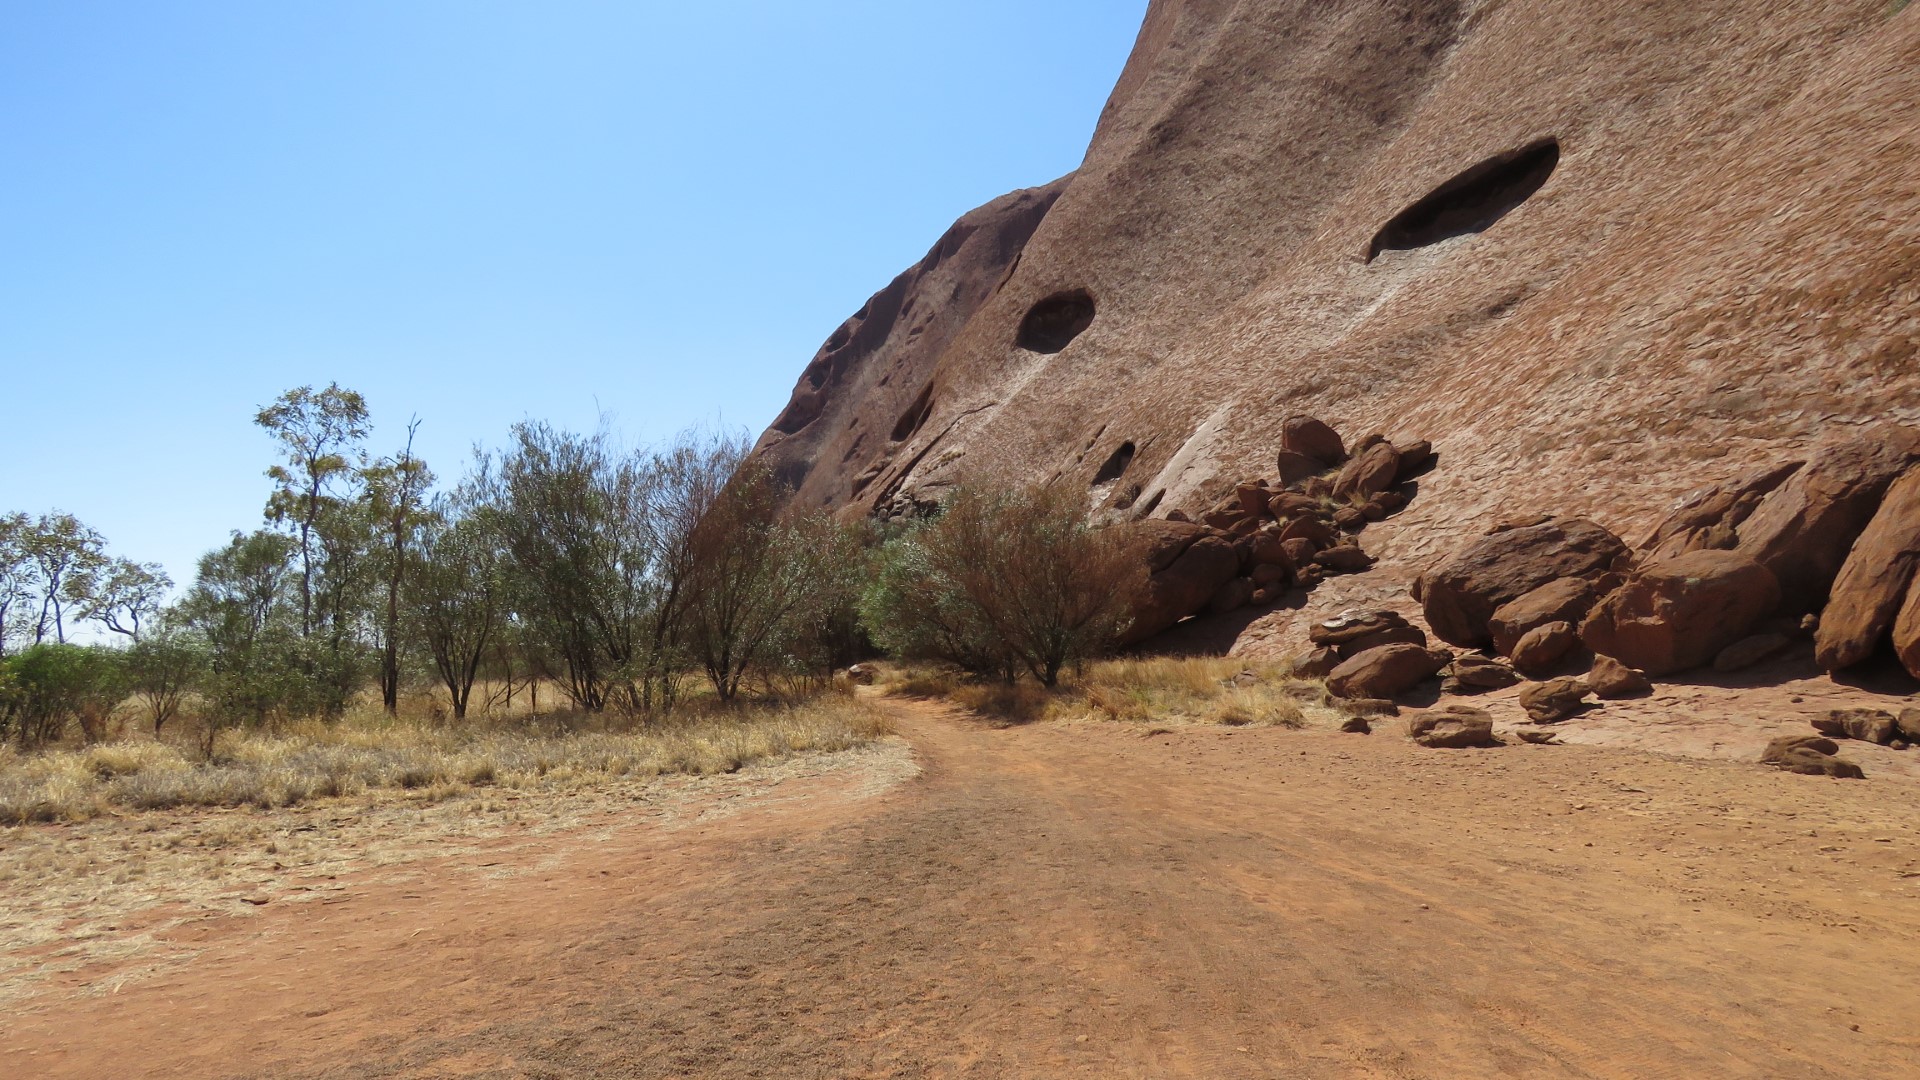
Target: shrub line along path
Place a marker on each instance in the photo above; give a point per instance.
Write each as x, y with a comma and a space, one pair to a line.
1087, 899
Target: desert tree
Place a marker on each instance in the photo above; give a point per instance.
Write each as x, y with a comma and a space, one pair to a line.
570, 512
1013, 579
65, 554
396, 491
761, 576
243, 605
53, 685
162, 668
17, 579
321, 435
455, 595
123, 595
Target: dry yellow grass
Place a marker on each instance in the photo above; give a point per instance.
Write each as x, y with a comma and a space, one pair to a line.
1199, 690
372, 752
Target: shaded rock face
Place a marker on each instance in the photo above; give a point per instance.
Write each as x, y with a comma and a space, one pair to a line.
1692, 260
1803, 530
871, 386
1679, 613
1189, 582
1875, 582
1461, 596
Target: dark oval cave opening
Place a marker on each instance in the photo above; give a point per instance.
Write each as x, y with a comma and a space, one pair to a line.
1472, 201
1115, 465
916, 415
1056, 321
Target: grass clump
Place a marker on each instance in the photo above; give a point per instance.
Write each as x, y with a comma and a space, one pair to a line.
320, 761
1194, 690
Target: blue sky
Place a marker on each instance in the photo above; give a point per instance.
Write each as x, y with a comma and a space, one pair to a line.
473, 212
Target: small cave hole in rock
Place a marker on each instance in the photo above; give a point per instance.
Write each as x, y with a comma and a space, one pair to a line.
1056, 321
1471, 201
1115, 465
915, 415
1152, 504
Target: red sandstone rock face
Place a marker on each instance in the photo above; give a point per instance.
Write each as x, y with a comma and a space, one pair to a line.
1462, 595
1715, 275
1874, 582
1679, 613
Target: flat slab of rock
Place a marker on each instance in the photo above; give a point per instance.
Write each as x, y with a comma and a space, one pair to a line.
1471, 673
1803, 530
1452, 727
1866, 725
1561, 600
1812, 763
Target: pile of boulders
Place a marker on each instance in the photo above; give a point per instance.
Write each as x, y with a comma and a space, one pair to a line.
1734, 575
1273, 534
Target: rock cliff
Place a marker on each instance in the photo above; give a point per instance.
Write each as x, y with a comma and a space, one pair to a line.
1601, 255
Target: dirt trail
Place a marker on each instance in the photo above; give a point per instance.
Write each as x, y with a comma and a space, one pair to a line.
1084, 900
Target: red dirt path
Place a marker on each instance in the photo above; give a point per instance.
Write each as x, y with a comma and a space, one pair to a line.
1080, 900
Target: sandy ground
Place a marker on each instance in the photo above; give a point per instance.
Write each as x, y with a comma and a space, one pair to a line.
1083, 900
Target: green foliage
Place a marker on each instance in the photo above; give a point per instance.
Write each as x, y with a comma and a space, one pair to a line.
162, 669
52, 686
455, 594
999, 583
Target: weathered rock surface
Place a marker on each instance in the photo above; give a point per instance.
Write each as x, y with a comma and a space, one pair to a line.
1708, 518
1386, 672
1312, 439
1866, 725
1354, 624
1749, 651
1461, 595
1778, 749
1543, 647
1679, 613
1452, 727
1554, 700
1874, 581
1803, 530
1188, 584
1371, 472
1471, 673
1812, 763
1714, 276
1562, 600
1611, 680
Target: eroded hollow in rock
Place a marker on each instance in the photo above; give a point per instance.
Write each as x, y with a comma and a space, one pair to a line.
915, 415
1471, 201
1056, 321
1115, 465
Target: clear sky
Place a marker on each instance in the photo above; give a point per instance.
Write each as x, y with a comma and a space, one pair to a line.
474, 212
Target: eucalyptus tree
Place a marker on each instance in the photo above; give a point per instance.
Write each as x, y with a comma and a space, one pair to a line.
456, 597
321, 435
123, 595
396, 493
65, 554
